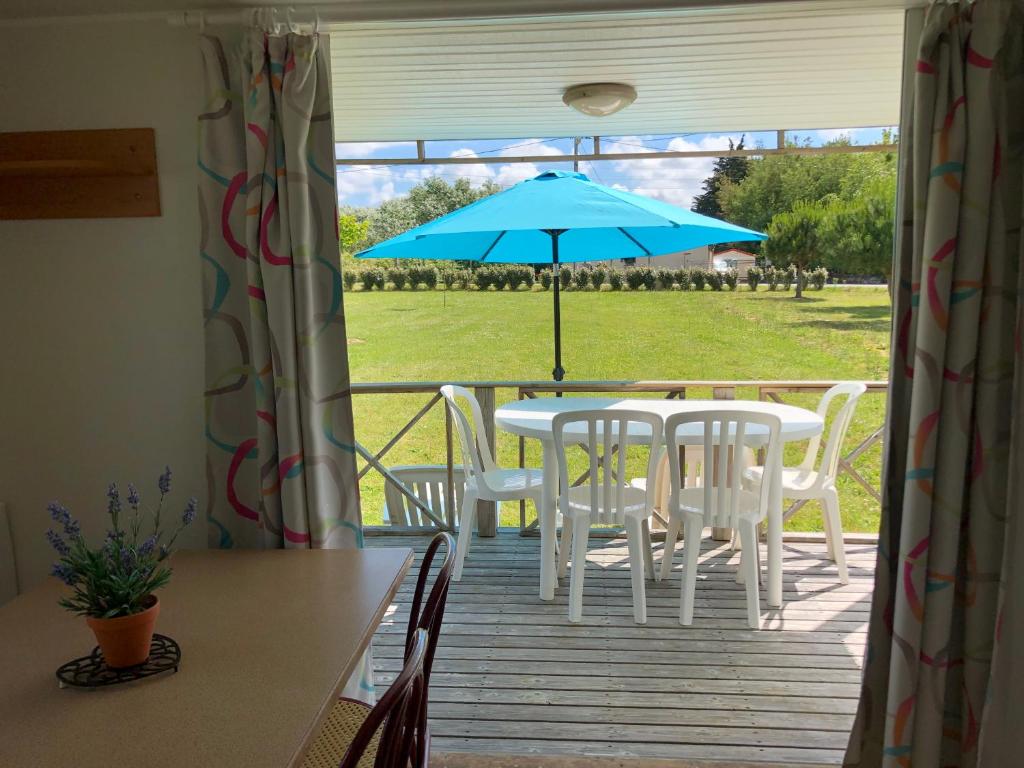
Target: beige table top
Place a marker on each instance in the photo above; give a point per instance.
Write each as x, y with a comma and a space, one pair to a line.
268, 639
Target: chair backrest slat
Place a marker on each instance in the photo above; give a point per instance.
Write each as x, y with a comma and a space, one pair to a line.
476, 453
606, 438
852, 390
724, 436
429, 484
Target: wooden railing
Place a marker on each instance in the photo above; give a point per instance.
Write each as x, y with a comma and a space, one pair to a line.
487, 517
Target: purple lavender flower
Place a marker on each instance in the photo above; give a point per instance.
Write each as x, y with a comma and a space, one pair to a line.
65, 573
190, 512
114, 499
133, 495
58, 543
164, 483
72, 528
147, 547
126, 557
58, 512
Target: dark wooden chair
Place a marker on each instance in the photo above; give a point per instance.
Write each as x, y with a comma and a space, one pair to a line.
384, 736
429, 618
353, 736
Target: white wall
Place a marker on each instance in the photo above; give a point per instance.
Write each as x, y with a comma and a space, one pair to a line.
101, 337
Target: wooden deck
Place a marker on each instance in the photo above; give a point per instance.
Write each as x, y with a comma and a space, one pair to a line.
513, 677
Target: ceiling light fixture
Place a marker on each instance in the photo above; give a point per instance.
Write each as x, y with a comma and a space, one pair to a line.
599, 99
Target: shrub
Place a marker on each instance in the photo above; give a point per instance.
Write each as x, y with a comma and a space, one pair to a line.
754, 277
730, 278
398, 277
786, 277
615, 280
772, 275
372, 278
699, 277
528, 277
349, 278
683, 278
649, 280
818, 278
664, 279
448, 277
512, 276
633, 278
465, 278
581, 279
714, 278
545, 279
482, 278
428, 276
564, 277
597, 275
499, 277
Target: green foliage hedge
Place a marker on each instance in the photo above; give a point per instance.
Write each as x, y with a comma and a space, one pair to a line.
517, 277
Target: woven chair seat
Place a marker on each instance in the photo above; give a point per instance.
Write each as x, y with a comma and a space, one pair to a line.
337, 733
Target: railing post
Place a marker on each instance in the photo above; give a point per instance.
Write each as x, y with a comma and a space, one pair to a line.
487, 511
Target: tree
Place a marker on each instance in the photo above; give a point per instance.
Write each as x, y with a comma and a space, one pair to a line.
726, 169
351, 231
857, 234
776, 183
793, 238
425, 202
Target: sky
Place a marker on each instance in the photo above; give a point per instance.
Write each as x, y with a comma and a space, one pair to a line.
674, 180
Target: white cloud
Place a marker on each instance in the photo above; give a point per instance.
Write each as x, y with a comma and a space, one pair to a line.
365, 185
674, 180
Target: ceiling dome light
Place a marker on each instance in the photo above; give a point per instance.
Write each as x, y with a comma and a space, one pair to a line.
599, 99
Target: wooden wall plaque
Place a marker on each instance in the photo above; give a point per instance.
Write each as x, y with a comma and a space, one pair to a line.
95, 174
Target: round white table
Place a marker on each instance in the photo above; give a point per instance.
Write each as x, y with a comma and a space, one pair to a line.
532, 418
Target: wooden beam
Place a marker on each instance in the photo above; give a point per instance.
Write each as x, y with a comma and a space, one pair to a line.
841, 149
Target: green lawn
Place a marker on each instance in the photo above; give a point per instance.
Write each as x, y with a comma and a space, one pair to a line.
837, 333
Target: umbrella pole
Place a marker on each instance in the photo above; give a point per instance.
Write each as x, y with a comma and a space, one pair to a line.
558, 373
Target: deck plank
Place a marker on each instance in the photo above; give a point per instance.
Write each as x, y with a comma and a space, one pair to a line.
512, 676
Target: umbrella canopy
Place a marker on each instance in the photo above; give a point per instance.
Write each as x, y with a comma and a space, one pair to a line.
559, 217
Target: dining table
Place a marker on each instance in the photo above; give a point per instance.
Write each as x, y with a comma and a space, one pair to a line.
532, 418
268, 640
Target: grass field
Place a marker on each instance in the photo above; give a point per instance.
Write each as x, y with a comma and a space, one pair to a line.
837, 333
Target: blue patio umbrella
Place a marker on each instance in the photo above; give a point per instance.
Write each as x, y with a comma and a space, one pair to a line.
556, 218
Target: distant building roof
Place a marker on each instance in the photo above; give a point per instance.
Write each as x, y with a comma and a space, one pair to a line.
736, 251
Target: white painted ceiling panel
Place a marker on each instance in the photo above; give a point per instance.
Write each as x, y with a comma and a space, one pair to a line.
749, 68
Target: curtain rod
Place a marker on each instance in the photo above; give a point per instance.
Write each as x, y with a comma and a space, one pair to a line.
416, 10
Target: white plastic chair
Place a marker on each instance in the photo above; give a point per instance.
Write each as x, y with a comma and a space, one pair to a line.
805, 482
721, 501
428, 483
485, 481
607, 498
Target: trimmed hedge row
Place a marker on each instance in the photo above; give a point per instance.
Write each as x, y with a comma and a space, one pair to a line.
513, 277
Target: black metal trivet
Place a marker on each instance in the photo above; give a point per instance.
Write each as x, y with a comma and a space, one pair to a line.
92, 671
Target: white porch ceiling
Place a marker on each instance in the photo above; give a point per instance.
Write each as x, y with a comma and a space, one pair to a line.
755, 67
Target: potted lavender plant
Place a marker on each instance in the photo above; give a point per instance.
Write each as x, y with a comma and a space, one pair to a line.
114, 584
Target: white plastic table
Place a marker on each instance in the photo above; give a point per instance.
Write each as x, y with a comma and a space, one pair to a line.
532, 418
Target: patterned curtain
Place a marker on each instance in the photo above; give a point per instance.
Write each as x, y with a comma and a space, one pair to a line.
939, 653
280, 461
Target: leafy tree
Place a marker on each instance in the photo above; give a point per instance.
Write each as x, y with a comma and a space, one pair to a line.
857, 234
726, 169
776, 183
794, 237
392, 217
351, 231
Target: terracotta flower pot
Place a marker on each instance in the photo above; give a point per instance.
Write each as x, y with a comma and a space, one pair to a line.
125, 640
